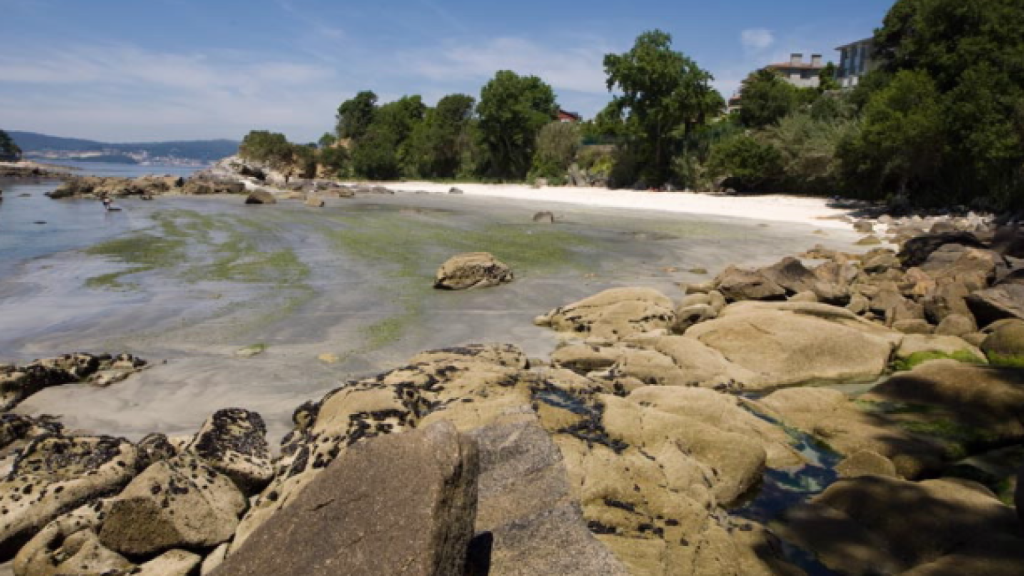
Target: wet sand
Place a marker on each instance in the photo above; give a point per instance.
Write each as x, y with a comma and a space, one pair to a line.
352, 279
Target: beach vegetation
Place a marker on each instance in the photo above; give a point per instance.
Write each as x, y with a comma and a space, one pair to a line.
9, 150
355, 115
662, 96
557, 146
512, 111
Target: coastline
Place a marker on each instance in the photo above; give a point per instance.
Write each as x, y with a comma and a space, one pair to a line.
774, 207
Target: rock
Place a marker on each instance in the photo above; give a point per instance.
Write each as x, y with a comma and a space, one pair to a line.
455, 191
798, 343
792, 276
880, 261
17, 384
56, 474
912, 326
527, 508
866, 463
858, 304
260, 197
871, 240
956, 325
690, 315
873, 524
850, 427
171, 563
233, 442
916, 251
407, 502
983, 399
1003, 301
914, 344
864, 227
154, 448
77, 552
737, 285
177, 503
975, 268
544, 217
947, 299
314, 202
1005, 343
614, 314
472, 270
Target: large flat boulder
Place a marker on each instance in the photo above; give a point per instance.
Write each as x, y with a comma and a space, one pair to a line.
737, 284
798, 343
472, 270
401, 504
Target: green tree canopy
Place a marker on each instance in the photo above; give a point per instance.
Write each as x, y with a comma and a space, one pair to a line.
355, 115
557, 145
8, 149
663, 95
766, 98
972, 52
437, 145
512, 111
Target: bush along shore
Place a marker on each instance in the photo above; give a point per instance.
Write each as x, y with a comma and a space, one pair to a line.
716, 432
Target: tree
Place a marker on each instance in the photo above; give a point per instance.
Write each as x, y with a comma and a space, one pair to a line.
766, 98
436, 145
9, 151
747, 164
557, 144
379, 153
267, 147
973, 53
355, 115
327, 140
901, 143
512, 111
827, 80
663, 95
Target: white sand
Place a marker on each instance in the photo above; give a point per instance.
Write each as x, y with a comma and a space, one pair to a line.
776, 208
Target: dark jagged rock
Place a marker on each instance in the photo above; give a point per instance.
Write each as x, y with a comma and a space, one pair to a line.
154, 448
233, 441
19, 382
998, 303
407, 503
917, 250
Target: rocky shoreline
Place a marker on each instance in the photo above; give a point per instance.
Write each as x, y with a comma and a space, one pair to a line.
643, 444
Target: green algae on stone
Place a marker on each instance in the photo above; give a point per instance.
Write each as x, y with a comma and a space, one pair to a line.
918, 358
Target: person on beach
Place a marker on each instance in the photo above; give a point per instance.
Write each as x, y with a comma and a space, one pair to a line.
106, 203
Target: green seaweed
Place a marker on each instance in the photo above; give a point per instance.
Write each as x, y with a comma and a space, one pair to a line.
1005, 360
918, 358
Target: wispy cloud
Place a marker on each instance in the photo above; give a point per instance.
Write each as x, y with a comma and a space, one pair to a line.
578, 68
757, 39
105, 84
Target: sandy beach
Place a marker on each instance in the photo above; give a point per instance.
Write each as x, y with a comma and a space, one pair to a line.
774, 207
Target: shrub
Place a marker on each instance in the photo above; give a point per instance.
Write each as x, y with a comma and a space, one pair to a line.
747, 164
557, 145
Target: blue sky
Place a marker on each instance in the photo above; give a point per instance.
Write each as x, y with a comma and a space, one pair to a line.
146, 70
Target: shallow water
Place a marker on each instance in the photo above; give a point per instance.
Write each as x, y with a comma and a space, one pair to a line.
190, 281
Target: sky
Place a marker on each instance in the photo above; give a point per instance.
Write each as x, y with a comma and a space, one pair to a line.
151, 70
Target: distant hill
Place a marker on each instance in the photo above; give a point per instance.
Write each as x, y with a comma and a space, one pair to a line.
41, 146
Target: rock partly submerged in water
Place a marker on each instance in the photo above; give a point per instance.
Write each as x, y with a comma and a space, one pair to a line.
19, 382
260, 197
472, 270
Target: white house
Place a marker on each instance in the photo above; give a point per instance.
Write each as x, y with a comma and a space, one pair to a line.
855, 60
799, 73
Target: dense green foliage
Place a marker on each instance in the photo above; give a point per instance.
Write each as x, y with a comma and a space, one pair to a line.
557, 145
381, 151
965, 58
663, 97
355, 115
512, 111
767, 98
267, 147
8, 149
437, 146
